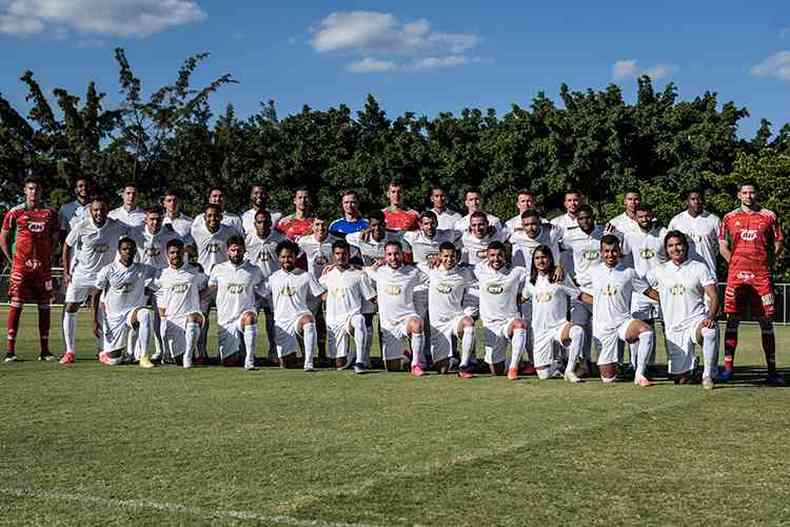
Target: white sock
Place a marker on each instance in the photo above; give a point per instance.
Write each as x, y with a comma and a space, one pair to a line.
467, 345
250, 334
192, 337
517, 343
69, 330
156, 326
575, 347
417, 340
310, 339
163, 337
360, 338
143, 332
710, 345
643, 352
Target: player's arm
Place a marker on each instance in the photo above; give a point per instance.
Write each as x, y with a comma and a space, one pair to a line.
96, 300
586, 298
4, 244
724, 242
713, 305
778, 240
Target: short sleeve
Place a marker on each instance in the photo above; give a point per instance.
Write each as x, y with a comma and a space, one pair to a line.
706, 278
102, 278
73, 237
569, 287
7, 220
316, 289
213, 279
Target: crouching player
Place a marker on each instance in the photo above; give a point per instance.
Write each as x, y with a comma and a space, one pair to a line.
181, 285
612, 285
346, 290
681, 285
122, 287
501, 287
448, 283
550, 300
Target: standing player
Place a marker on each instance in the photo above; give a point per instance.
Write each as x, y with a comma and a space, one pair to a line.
681, 285
612, 287
300, 223
567, 222
352, 220
500, 290
290, 288
216, 196
236, 283
475, 240
398, 319
128, 215
525, 200
180, 222
472, 200
79, 208
346, 290
259, 199
626, 222
533, 233
121, 285
93, 243
397, 218
748, 237
36, 230
446, 218
701, 228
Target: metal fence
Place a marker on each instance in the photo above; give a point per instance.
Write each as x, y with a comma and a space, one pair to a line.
781, 291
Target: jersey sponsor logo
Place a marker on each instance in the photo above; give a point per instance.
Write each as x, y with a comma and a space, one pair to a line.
543, 297
236, 289
287, 291
591, 254
444, 288
36, 226
337, 292
647, 253
677, 290
179, 289
124, 287
745, 276
768, 300
101, 248
748, 235
32, 264
393, 289
481, 253
610, 290
213, 248
495, 288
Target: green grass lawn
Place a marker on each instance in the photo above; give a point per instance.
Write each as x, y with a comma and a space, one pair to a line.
90, 445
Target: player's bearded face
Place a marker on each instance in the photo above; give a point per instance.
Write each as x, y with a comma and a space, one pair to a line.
448, 259
695, 202
428, 227
287, 259
376, 229
393, 257
676, 250
99, 213
263, 225
175, 256
610, 254
585, 221
496, 258
644, 219
341, 257
236, 254
126, 253
531, 226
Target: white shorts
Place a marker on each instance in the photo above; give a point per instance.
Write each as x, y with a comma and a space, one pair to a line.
175, 336
442, 334
80, 288
544, 344
496, 340
644, 308
338, 337
230, 338
116, 329
680, 348
286, 335
392, 336
607, 342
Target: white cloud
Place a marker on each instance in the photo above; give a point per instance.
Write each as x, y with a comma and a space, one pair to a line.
777, 65
381, 41
629, 68
122, 18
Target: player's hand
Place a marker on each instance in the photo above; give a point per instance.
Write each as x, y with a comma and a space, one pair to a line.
379, 263
609, 229
327, 268
66, 279
96, 332
365, 236
559, 273
709, 323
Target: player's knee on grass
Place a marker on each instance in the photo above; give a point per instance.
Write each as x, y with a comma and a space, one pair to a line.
442, 366
290, 361
196, 318
415, 325
393, 365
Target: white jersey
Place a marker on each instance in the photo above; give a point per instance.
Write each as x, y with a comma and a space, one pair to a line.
248, 220
612, 289
130, 219
211, 246
182, 224
230, 220
623, 224
514, 226
181, 287
318, 254
236, 286
71, 210
346, 291
681, 289
565, 223
94, 247
646, 249
369, 251
446, 290
395, 291
289, 292
524, 246
549, 301
152, 248
703, 236
123, 288
423, 248
474, 249
446, 219
584, 251
499, 291
263, 251
462, 225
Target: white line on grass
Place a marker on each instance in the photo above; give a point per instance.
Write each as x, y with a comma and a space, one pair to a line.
175, 508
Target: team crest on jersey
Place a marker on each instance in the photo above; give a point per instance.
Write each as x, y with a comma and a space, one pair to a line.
287, 291
213, 248
180, 289
647, 253
543, 297
444, 288
677, 290
393, 289
482, 253
236, 289
32, 264
609, 290
495, 288
748, 235
36, 227
101, 248
591, 254
124, 287
338, 292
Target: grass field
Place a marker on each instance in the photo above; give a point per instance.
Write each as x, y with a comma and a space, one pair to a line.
88, 445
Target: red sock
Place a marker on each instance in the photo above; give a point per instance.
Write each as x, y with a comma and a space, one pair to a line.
769, 348
730, 343
43, 327
14, 313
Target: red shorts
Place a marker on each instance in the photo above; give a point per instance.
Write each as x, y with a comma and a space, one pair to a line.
748, 290
35, 286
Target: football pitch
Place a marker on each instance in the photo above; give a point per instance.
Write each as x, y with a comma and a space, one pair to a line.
91, 445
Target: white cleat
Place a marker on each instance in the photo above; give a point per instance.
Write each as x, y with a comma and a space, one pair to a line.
572, 378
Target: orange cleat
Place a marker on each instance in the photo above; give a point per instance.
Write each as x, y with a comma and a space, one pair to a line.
68, 358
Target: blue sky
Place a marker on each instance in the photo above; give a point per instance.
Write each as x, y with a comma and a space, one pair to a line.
417, 56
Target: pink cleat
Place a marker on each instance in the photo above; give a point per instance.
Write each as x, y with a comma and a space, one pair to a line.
104, 358
464, 374
512, 374
417, 371
68, 358
642, 381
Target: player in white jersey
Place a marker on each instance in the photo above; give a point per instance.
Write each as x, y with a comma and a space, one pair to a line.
180, 222
79, 208
447, 286
550, 298
701, 228
181, 285
472, 200
236, 284
581, 250
128, 214
122, 286
446, 218
262, 251
93, 242
681, 285
290, 289
398, 318
525, 200
216, 196
346, 290
533, 233
612, 286
259, 199
501, 288
567, 222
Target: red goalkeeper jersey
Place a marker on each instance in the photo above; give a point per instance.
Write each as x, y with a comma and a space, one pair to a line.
750, 233
34, 232
401, 220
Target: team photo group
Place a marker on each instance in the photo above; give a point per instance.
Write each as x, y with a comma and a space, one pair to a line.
453, 292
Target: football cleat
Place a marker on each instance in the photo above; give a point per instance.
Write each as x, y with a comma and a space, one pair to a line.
417, 371
775, 379
359, 368
642, 381
46, 357
527, 368
201, 360
68, 358
453, 365
145, 362
10, 357
707, 383
465, 374
571, 377
309, 368
512, 374
725, 374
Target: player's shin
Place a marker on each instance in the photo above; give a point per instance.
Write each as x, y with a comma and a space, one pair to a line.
467, 346
576, 336
360, 338
310, 337
769, 347
14, 314
730, 343
417, 341
517, 344
69, 330
43, 327
250, 337
710, 343
192, 338
144, 320
644, 345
